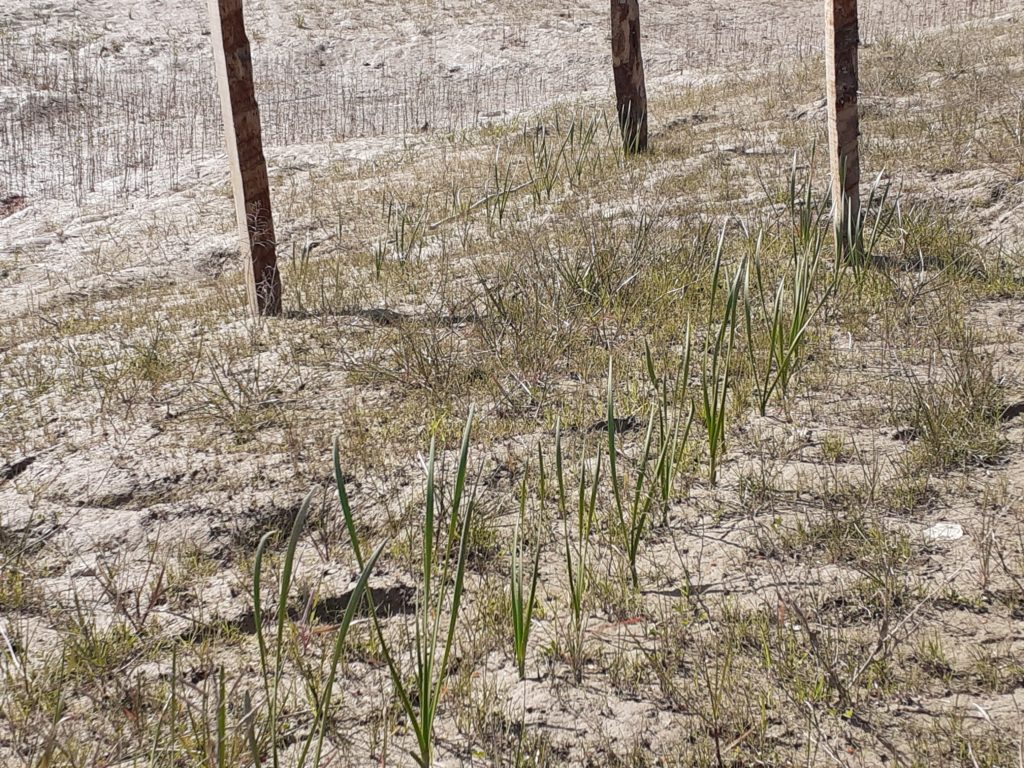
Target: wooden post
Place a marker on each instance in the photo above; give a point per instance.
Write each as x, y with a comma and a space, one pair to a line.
244, 141
842, 40
628, 69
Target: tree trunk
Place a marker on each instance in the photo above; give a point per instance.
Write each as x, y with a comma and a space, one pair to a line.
842, 40
628, 68
244, 141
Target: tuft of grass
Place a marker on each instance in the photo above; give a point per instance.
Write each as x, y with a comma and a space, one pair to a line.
633, 515
577, 547
715, 370
671, 444
784, 316
956, 407
440, 591
272, 658
523, 601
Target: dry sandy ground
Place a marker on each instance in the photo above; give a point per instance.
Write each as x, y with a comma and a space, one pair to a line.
111, 134
110, 126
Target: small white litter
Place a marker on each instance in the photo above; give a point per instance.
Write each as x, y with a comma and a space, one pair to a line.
943, 532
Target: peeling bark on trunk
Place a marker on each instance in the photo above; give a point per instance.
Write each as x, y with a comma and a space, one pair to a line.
244, 142
628, 68
842, 41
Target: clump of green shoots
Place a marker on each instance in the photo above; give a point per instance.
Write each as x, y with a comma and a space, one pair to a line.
543, 163
806, 214
852, 250
404, 233
575, 154
670, 421
434, 637
522, 601
783, 315
716, 359
496, 202
786, 317
634, 513
577, 547
272, 663
578, 148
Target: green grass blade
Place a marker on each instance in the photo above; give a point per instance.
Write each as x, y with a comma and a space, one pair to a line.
249, 719
612, 463
222, 722
346, 509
